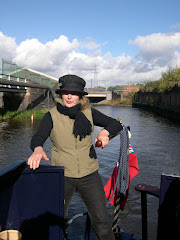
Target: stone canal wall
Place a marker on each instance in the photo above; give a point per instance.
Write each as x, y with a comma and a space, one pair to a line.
166, 104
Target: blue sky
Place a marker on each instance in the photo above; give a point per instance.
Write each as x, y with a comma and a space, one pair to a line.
126, 41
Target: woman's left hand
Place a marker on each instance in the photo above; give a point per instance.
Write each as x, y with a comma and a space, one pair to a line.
103, 136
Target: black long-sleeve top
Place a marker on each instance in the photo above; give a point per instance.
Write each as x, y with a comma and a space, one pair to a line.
99, 119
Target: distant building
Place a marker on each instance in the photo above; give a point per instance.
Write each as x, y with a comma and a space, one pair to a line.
126, 89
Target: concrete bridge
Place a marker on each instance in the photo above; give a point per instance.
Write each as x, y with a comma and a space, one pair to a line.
20, 93
96, 95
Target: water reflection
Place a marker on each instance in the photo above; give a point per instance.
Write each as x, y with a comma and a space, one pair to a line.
15, 141
155, 141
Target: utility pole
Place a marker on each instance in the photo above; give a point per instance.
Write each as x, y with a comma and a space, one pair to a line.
95, 75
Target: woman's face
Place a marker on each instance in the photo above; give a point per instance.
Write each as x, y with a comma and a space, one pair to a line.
70, 99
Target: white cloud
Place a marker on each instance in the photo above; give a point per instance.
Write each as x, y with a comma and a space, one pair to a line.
157, 46
89, 44
177, 25
157, 52
7, 47
44, 57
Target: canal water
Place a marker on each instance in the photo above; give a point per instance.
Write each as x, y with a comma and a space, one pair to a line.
155, 140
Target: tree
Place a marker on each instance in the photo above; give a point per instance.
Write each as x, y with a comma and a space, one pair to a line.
111, 88
167, 81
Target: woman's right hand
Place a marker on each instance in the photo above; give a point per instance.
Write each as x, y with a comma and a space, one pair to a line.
35, 158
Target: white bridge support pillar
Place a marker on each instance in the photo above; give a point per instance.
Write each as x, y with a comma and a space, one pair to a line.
109, 96
101, 94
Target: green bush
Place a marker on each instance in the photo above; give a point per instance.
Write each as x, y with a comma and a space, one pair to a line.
165, 83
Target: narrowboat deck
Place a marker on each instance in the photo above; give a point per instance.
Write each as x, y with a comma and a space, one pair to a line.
32, 202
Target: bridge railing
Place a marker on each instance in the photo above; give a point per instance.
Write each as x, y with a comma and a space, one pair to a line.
11, 71
10, 79
95, 89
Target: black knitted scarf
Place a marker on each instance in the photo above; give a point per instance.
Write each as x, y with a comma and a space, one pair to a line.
82, 126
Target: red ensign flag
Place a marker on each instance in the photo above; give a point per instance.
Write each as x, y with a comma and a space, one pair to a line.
133, 171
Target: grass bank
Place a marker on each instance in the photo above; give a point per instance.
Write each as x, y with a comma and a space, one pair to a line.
38, 114
116, 102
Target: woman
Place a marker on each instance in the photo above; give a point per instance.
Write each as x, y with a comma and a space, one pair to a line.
70, 127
